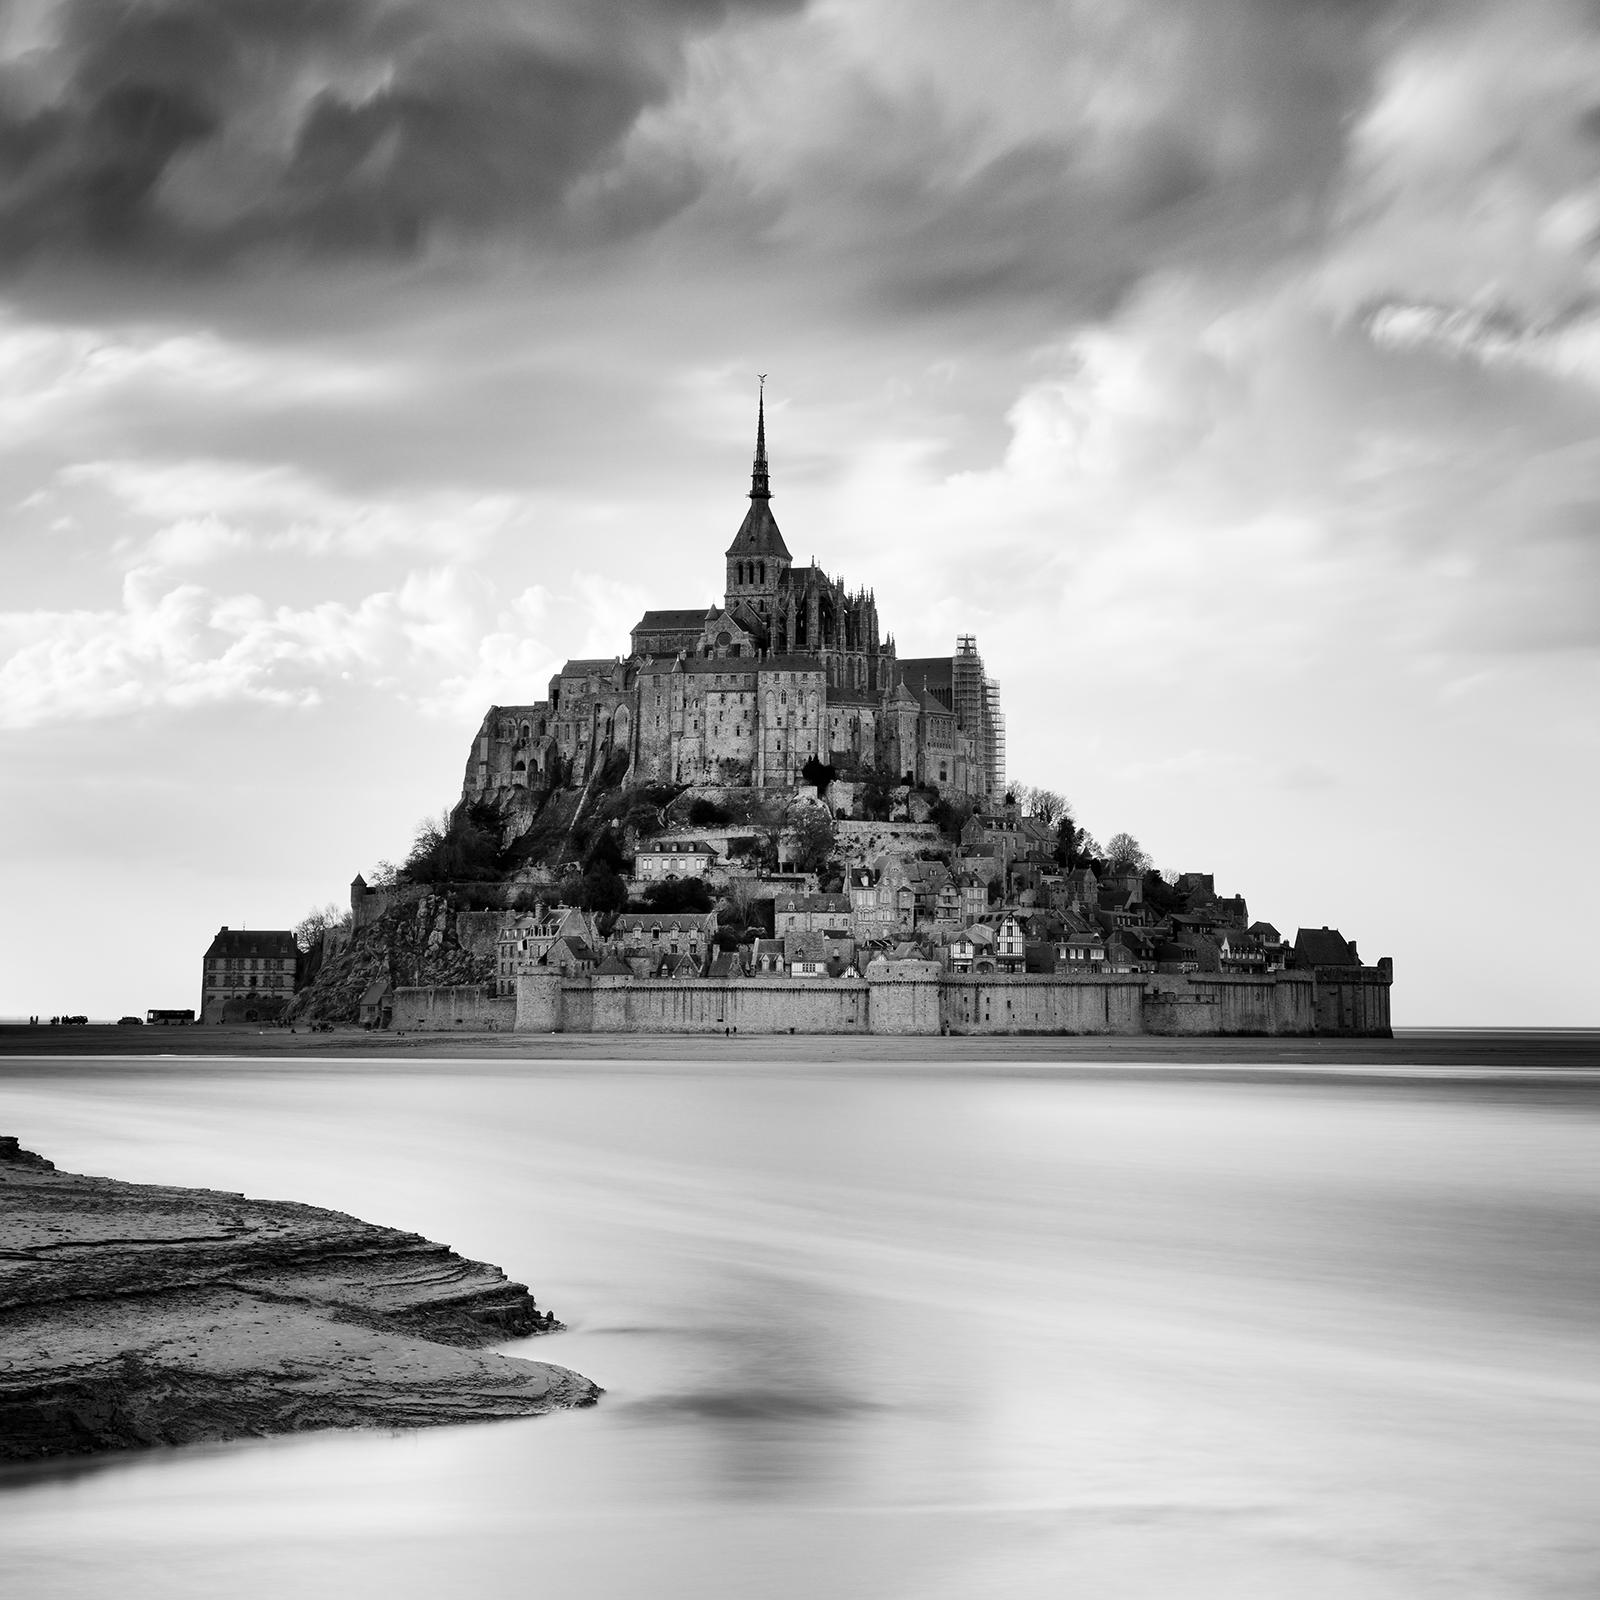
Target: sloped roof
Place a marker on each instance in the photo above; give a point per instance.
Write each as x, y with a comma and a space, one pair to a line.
1323, 947
758, 534
613, 967
672, 621
668, 922
936, 670
582, 668
273, 944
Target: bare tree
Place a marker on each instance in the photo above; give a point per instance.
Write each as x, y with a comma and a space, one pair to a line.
1045, 804
308, 931
1125, 854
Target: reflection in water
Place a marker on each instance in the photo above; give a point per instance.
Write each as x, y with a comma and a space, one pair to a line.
903, 1335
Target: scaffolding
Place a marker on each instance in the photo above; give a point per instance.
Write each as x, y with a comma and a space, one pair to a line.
977, 707
995, 723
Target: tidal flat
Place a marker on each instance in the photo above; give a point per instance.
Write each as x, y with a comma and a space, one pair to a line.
983, 1317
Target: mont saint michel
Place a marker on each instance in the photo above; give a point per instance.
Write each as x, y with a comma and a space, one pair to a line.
761, 818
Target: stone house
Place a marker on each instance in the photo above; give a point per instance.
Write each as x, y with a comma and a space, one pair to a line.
526, 938
248, 965
767, 958
673, 858
674, 933
813, 913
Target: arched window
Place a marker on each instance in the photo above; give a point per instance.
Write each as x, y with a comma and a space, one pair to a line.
763, 572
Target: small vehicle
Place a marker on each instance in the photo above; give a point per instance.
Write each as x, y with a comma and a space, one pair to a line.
130, 1022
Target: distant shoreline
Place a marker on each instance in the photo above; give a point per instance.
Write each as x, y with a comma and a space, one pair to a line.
1421, 1050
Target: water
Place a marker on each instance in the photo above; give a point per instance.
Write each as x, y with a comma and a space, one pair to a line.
941, 1334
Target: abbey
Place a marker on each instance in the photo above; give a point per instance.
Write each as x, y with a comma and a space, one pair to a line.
790, 667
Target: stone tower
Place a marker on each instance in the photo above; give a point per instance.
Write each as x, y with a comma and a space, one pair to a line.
758, 558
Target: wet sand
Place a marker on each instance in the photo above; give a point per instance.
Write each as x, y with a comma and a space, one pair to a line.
1419, 1050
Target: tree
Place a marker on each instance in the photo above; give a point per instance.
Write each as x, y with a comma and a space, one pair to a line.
308, 931
876, 796
1066, 842
1125, 855
461, 846
811, 838
704, 813
677, 894
818, 774
951, 816
1045, 804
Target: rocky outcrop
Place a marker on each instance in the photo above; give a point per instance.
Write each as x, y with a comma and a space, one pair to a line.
134, 1314
426, 940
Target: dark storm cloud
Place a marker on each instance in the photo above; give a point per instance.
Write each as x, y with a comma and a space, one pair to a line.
191, 131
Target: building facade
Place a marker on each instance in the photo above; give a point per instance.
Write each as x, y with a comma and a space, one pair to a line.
241, 964
790, 666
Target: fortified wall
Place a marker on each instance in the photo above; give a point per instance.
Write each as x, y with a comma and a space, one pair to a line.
1280, 1003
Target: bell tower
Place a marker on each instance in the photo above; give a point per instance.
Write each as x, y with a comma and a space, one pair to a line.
758, 557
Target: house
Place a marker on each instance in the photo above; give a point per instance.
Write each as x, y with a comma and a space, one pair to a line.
817, 954
960, 953
1130, 950
766, 958
1081, 889
812, 913
377, 1005
571, 957
914, 885
1240, 952
666, 933
681, 965
673, 858
1081, 949
974, 897
526, 937
1010, 945
257, 967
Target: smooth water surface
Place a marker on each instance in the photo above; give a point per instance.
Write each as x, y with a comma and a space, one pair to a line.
942, 1334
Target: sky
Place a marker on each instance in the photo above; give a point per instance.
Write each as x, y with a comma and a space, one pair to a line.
1231, 368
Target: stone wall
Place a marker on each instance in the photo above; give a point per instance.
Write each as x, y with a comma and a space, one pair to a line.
1355, 1003
698, 1005
1230, 1003
1090, 1003
440, 1008
922, 1003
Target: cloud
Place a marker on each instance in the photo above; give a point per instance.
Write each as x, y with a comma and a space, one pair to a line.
937, 160
189, 132
1568, 347
212, 509
442, 641
1473, 173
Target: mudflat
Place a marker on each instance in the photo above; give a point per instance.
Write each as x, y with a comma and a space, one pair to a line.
1424, 1050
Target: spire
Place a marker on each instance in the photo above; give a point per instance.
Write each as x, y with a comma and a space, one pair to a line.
758, 534
759, 486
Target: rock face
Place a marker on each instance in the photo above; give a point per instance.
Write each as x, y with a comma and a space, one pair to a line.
420, 941
134, 1314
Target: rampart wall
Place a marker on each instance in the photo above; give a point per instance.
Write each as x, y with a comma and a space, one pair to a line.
443, 1007
1091, 1003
